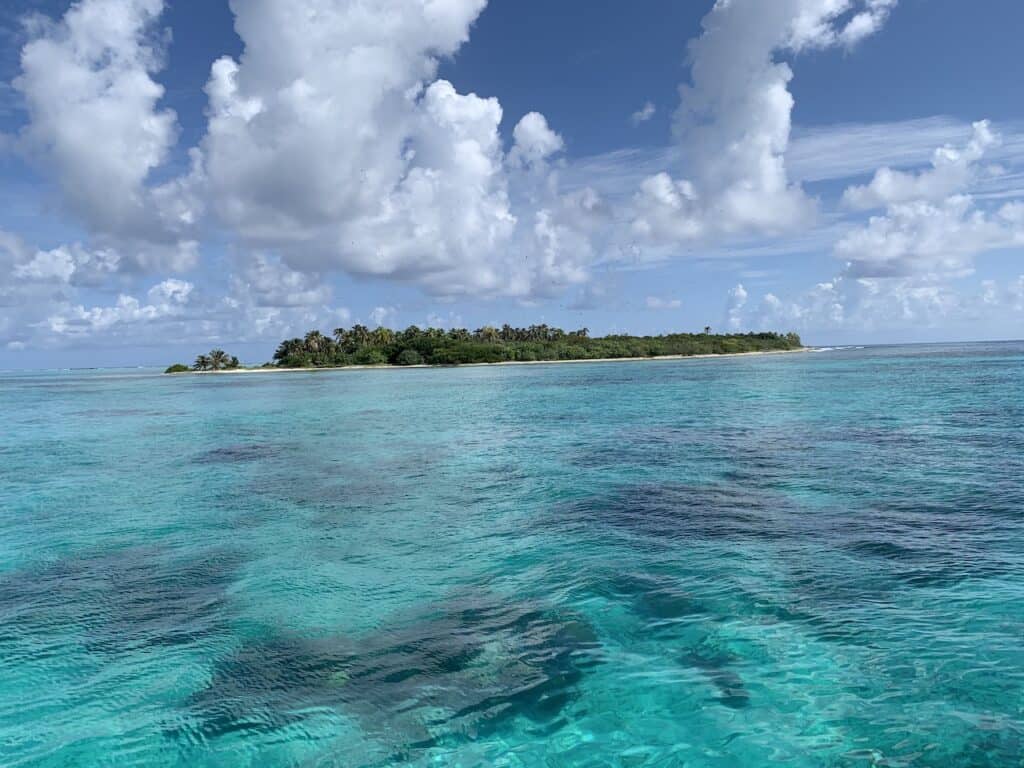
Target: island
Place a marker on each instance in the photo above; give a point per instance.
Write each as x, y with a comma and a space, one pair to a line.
362, 346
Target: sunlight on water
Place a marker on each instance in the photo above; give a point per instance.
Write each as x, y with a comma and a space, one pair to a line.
809, 560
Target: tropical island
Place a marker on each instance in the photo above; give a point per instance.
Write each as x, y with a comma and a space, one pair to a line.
362, 346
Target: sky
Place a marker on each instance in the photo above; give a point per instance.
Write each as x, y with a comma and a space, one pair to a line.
186, 174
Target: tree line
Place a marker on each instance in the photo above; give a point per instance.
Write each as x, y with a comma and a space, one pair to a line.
360, 345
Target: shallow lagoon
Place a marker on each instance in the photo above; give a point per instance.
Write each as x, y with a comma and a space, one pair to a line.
810, 560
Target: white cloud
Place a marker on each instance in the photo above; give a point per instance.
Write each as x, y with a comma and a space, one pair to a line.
266, 282
922, 237
825, 23
821, 307
166, 300
383, 317
657, 302
331, 142
735, 307
93, 121
66, 264
332, 145
57, 264
667, 209
845, 150
860, 308
534, 141
49, 297
450, 320
901, 267
952, 170
92, 105
823, 153
645, 113
930, 226
867, 22
734, 120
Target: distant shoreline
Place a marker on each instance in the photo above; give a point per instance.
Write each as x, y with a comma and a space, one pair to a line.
388, 366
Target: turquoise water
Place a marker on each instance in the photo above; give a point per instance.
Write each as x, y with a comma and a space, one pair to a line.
803, 560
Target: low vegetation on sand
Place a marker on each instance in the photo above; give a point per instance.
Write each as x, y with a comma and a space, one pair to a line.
216, 360
360, 345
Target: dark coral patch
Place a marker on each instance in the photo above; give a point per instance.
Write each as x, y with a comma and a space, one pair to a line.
467, 666
241, 452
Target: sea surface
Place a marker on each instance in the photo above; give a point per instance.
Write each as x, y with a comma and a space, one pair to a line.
795, 560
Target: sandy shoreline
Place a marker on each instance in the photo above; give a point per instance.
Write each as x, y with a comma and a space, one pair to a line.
389, 367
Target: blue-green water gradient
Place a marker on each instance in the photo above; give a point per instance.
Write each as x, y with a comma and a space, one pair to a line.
799, 560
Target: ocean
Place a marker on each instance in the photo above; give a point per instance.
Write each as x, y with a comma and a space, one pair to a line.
813, 559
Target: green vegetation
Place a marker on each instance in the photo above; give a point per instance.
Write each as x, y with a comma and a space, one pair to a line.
217, 360
409, 357
177, 368
434, 346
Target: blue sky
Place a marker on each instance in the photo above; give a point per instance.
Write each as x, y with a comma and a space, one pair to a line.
853, 171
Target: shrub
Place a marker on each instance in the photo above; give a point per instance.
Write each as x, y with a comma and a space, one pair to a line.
178, 368
371, 356
409, 357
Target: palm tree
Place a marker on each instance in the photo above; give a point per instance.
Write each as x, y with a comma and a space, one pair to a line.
487, 333
382, 337
411, 333
291, 352
202, 363
218, 359
316, 342
707, 330
360, 335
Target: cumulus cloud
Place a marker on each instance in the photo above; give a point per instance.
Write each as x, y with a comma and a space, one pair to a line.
931, 225
534, 141
824, 306
922, 237
902, 266
87, 85
734, 121
825, 23
56, 296
645, 113
952, 170
667, 209
866, 305
167, 299
94, 122
70, 264
331, 142
265, 282
176, 309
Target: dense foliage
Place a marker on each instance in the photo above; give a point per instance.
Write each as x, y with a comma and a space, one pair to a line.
217, 360
360, 345
177, 368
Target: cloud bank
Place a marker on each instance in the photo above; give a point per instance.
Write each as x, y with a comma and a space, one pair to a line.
331, 146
